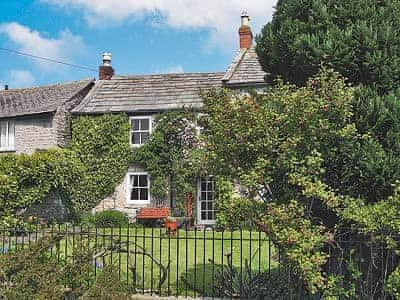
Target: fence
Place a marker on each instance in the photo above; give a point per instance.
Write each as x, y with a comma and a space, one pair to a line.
154, 262
190, 262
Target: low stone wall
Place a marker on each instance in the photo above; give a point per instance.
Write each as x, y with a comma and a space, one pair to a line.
50, 209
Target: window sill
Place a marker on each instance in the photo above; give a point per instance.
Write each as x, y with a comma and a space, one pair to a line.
7, 150
137, 203
136, 145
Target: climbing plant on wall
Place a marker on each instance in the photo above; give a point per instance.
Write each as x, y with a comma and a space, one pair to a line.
27, 179
172, 156
101, 143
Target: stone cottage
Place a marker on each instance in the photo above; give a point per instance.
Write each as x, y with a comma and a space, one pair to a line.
143, 97
38, 118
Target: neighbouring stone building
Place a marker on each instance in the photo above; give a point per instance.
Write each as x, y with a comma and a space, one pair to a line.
38, 118
143, 97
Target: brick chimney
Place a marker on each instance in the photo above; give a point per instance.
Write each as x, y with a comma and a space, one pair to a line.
245, 34
105, 70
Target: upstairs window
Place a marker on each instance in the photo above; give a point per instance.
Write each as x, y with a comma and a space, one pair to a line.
138, 188
7, 136
140, 130
201, 126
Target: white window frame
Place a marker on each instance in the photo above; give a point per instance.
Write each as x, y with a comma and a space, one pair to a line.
10, 138
150, 118
129, 189
199, 129
199, 219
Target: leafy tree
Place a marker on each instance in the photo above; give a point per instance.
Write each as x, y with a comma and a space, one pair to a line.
263, 140
299, 150
360, 39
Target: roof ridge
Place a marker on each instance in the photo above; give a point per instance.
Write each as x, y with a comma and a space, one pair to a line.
47, 86
164, 74
234, 64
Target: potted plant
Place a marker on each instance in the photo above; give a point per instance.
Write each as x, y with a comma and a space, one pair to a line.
171, 224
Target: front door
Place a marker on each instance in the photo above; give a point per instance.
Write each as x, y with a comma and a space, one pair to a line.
206, 201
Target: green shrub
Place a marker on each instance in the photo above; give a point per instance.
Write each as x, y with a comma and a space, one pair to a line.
110, 218
26, 180
107, 286
246, 283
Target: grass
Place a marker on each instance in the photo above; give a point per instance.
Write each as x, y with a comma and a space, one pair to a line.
190, 253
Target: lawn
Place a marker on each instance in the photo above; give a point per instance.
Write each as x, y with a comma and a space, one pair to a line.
189, 252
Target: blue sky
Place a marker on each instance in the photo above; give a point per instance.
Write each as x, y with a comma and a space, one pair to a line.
144, 36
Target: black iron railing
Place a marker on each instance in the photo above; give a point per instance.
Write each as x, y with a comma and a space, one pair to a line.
152, 261
204, 263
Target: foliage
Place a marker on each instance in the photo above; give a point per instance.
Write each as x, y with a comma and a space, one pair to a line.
82, 175
393, 283
236, 211
263, 139
107, 286
101, 144
32, 273
260, 139
302, 241
169, 155
28, 179
246, 283
110, 218
359, 39
296, 149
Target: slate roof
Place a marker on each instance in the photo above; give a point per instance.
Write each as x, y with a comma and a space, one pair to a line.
19, 102
148, 92
245, 70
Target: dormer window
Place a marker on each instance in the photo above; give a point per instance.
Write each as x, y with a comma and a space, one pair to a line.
140, 130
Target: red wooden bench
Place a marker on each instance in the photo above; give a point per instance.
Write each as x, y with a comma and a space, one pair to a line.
153, 213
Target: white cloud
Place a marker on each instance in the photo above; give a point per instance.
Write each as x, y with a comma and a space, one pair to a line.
65, 47
220, 16
172, 70
19, 79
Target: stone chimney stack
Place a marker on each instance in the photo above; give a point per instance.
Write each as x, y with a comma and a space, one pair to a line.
245, 34
106, 71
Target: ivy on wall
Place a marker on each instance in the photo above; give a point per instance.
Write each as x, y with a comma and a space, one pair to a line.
101, 143
171, 156
98, 159
27, 179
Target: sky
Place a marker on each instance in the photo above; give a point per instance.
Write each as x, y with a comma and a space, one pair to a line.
144, 36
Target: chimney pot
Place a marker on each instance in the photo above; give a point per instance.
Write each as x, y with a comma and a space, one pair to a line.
107, 56
245, 18
106, 71
245, 34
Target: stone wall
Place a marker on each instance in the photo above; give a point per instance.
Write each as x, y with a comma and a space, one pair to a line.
118, 199
34, 133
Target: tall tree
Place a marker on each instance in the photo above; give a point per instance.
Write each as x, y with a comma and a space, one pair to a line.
360, 39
